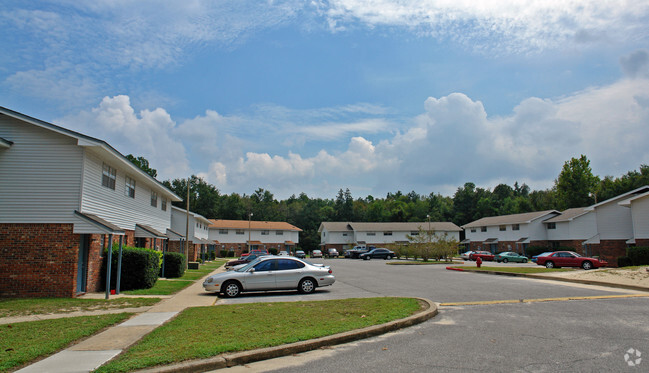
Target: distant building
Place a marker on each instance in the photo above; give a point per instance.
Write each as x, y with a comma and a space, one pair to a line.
345, 235
198, 237
243, 235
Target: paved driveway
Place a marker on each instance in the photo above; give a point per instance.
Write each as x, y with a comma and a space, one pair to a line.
585, 335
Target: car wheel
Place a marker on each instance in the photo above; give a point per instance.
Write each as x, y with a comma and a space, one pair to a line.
231, 289
498, 261
388, 257
587, 265
366, 257
549, 264
505, 260
524, 260
306, 286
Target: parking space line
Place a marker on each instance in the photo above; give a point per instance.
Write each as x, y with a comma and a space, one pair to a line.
509, 301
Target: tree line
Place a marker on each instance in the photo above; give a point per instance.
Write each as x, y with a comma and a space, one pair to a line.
575, 186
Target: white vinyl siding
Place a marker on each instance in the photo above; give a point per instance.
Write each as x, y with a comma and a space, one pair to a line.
40, 175
640, 212
614, 221
113, 205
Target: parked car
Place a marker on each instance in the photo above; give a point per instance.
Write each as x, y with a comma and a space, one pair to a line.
379, 253
332, 253
357, 251
316, 254
270, 273
243, 260
510, 256
560, 259
542, 254
465, 255
300, 254
484, 255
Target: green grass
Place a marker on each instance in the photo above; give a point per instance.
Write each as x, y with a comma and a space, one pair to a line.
421, 262
161, 287
21, 343
202, 332
204, 269
36, 306
517, 269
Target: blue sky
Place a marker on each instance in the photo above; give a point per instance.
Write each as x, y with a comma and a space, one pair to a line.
314, 96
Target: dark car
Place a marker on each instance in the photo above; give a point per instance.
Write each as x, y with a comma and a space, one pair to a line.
379, 253
300, 254
484, 255
243, 260
357, 251
560, 259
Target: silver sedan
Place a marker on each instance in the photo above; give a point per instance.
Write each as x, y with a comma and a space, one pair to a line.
271, 273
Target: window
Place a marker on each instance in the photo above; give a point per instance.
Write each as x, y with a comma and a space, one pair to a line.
130, 187
164, 204
344, 234
108, 177
552, 225
387, 233
224, 231
154, 199
265, 266
502, 228
265, 233
286, 264
239, 231
516, 227
371, 233
483, 229
414, 233
279, 233
473, 230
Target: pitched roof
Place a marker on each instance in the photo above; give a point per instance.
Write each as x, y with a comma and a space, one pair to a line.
85, 140
568, 215
627, 195
195, 215
524, 218
627, 202
387, 226
256, 225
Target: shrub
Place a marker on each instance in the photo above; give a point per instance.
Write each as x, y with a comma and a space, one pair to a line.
624, 261
536, 250
639, 255
223, 253
230, 253
272, 251
140, 267
175, 264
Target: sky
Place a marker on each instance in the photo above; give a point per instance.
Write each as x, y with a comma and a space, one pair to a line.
315, 96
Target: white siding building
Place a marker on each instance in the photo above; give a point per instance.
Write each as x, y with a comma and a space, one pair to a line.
242, 235
639, 206
344, 235
198, 233
68, 190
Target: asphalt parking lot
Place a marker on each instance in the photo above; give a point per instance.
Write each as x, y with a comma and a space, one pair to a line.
545, 336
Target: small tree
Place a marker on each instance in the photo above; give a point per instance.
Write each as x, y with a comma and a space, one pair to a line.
444, 246
421, 244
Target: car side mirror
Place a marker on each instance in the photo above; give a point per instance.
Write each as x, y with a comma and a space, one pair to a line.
251, 270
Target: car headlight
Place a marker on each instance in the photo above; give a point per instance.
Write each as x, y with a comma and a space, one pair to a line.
209, 280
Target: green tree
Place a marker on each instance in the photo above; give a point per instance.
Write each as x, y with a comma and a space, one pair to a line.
576, 184
143, 164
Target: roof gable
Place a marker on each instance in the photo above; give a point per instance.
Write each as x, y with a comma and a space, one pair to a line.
524, 218
252, 224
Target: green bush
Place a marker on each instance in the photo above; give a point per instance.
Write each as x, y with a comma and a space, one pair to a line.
624, 261
223, 253
272, 251
230, 253
140, 267
175, 264
212, 255
639, 255
536, 250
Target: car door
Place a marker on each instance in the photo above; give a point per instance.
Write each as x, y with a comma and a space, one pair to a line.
289, 273
571, 260
263, 276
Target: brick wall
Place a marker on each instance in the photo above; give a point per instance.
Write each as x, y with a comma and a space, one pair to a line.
38, 260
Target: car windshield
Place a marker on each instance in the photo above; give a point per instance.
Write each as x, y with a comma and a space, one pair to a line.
249, 265
575, 254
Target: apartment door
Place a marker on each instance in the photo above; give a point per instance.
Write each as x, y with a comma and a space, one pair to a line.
82, 267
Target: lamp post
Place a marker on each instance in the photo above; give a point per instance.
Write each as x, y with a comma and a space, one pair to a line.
249, 218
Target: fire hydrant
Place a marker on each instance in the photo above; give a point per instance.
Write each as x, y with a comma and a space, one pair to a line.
478, 262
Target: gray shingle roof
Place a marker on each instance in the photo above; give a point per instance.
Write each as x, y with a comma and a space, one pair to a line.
523, 218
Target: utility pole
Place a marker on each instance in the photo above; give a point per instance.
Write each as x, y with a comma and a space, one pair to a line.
249, 244
187, 228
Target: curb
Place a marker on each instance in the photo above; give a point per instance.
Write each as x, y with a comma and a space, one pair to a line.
244, 357
563, 279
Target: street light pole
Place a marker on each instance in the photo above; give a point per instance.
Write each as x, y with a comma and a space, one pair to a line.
249, 218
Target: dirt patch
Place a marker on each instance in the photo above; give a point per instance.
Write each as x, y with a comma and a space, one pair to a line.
632, 277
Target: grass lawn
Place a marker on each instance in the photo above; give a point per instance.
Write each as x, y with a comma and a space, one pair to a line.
23, 342
204, 269
421, 262
36, 306
517, 269
202, 332
172, 286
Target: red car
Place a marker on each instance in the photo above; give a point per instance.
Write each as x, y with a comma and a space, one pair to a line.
560, 259
485, 255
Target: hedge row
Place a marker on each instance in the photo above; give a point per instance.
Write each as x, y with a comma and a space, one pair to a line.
635, 256
140, 268
175, 264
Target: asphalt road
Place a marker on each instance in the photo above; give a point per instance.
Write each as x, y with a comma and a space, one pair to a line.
576, 336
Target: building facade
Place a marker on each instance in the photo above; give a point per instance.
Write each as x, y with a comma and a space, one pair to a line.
242, 235
65, 196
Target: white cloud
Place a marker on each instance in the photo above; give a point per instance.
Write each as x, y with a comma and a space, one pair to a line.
497, 25
148, 133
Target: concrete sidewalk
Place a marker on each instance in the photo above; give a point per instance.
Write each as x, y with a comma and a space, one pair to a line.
93, 352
